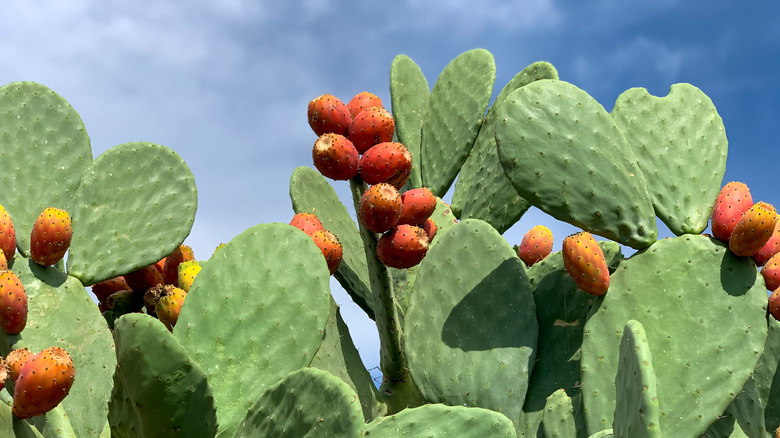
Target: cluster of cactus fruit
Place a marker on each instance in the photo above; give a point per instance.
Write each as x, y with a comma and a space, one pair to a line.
477, 337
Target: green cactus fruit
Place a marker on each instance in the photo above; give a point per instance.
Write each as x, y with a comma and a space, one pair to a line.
387, 162
13, 303
7, 234
585, 262
15, 360
418, 205
187, 273
371, 126
753, 230
335, 157
170, 270
44, 381
307, 222
51, 236
380, 208
361, 101
770, 248
733, 200
402, 247
331, 248
106, 287
328, 114
537, 244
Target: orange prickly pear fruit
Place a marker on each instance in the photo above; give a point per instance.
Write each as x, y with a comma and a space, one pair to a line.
753, 230
536, 245
142, 279
770, 248
7, 234
402, 247
307, 222
171, 270
331, 248
417, 206
771, 272
585, 262
430, 228
106, 287
44, 381
733, 200
380, 208
13, 303
387, 162
362, 101
168, 300
774, 304
329, 114
371, 126
16, 359
335, 157
51, 235
187, 273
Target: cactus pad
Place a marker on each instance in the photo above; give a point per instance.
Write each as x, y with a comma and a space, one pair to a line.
409, 94
436, 420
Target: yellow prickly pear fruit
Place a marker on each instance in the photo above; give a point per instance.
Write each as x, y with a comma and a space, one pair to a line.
187, 272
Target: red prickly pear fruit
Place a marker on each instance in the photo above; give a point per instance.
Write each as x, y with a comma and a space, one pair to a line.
331, 248
585, 262
536, 245
387, 162
753, 230
13, 303
335, 157
142, 279
362, 101
167, 300
51, 235
171, 269
770, 248
44, 381
371, 126
774, 304
160, 264
733, 200
106, 287
329, 114
380, 208
7, 234
16, 360
771, 272
430, 228
309, 223
402, 247
417, 206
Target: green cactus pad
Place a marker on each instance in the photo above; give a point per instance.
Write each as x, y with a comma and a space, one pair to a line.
45, 149
668, 136
436, 420
310, 192
453, 118
11, 426
767, 378
559, 416
743, 417
167, 390
61, 313
561, 310
606, 433
565, 155
307, 403
338, 356
409, 94
135, 205
682, 290
472, 309
482, 190
636, 410
256, 312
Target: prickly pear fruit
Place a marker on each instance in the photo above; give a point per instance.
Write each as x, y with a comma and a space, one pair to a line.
7, 234
585, 262
536, 245
430, 228
3, 262
329, 114
771, 272
770, 248
160, 265
380, 208
105, 288
335, 157
371, 126
171, 270
331, 248
307, 222
51, 235
753, 230
187, 273
125, 301
142, 279
16, 360
362, 101
417, 206
402, 247
774, 304
44, 381
167, 300
387, 162
13, 303
733, 200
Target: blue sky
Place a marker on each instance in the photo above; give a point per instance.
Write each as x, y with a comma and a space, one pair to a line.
226, 84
